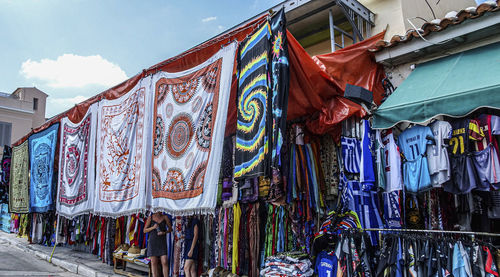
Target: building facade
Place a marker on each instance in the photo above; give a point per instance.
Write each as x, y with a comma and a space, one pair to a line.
20, 111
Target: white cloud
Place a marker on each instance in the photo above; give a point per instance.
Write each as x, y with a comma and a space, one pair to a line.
208, 19
74, 71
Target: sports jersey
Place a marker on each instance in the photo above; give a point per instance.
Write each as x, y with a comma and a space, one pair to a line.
490, 126
437, 155
413, 143
367, 174
487, 168
351, 154
380, 160
391, 162
326, 265
463, 173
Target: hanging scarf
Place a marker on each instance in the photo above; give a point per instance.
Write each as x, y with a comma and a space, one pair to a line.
77, 165
123, 151
280, 81
5, 174
252, 137
42, 148
191, 111
19, 186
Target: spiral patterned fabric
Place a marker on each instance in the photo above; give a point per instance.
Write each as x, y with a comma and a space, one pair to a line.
252, 146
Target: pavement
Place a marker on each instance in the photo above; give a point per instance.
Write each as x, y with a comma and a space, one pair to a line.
19, 258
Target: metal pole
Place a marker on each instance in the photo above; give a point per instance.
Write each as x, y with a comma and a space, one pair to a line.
332, 29
435, 231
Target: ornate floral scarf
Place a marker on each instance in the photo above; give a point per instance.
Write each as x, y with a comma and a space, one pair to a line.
191, 111
124, 152
19, 182
42, 149
75, 194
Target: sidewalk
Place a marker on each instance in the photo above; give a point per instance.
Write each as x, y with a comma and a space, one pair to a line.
73, 261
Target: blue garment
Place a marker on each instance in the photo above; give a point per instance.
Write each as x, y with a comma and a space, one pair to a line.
42, 148
326, 265
351, 154
413, 144
367, 170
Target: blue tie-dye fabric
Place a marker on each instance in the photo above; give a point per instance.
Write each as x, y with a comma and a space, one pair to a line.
42, 147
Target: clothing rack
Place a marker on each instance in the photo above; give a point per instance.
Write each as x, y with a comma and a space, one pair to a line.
435, 231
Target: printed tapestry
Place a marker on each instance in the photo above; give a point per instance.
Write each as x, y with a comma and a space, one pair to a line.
75, 195
5, 174
280, 81
42, 149
19, 179
253, 125
123, 147
191, 111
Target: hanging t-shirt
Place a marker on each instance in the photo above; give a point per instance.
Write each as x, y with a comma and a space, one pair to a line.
326, 265
391, 162
380, 160
463, 174
490, 126
437, 155
413, 143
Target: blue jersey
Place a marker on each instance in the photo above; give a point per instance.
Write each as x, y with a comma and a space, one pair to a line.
413, 144
326, 265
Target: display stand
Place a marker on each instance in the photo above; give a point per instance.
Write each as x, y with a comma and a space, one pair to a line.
123, 261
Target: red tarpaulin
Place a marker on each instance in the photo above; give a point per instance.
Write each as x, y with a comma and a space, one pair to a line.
355, 65
315, 87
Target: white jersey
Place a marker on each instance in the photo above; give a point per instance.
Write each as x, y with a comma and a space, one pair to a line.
392, 164
437, 155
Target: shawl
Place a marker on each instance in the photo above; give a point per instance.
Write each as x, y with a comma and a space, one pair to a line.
42, 149
253, 126
75, 194
123, 148
280, 80
188, 137
19, 181
5, 174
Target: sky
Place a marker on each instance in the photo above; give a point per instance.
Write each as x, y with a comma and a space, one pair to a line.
74, 49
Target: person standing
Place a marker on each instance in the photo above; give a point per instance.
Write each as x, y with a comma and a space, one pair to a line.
191, 249
158, 225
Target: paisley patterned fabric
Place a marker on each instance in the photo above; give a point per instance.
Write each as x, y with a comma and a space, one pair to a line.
19, 179
76, 182
252, 130
5, 174
42, 149
191, 111
124, 151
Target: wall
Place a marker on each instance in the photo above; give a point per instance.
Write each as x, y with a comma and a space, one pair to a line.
388, 13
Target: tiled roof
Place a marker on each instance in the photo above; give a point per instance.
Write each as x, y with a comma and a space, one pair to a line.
437, 25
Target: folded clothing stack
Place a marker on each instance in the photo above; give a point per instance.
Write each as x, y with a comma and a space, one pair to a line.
287, 264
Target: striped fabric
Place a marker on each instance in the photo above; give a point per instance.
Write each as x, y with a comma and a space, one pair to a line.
351, 154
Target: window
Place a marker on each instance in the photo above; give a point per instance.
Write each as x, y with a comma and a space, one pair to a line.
35, 104
5, 132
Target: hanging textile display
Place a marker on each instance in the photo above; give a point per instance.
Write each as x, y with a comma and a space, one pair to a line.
42, 149
252, 137
19, 183
280, 83
76, 187
123, 151
191, 111
5, 174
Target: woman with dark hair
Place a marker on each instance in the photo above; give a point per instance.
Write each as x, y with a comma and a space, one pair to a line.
191, 246
158, 225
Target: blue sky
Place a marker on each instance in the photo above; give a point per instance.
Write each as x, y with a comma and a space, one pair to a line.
72, 50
